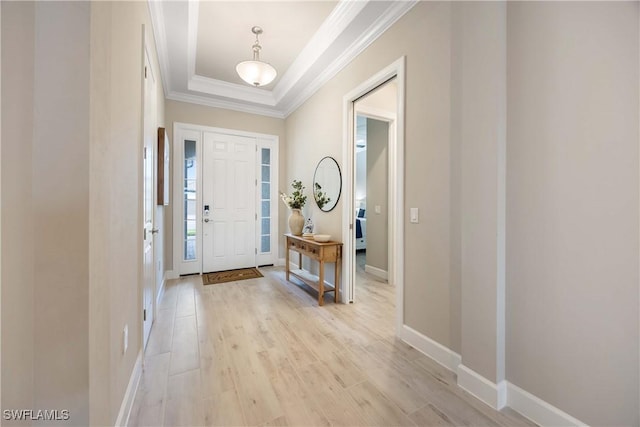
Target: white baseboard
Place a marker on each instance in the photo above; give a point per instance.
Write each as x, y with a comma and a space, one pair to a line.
494, 395
537, 410
441, 354
161, 292
130, 394
171, 274
378, 272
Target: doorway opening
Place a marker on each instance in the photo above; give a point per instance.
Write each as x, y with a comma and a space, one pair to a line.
378, 106
225, 215
374, 135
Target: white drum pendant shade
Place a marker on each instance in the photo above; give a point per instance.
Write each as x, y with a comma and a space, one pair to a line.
256, 73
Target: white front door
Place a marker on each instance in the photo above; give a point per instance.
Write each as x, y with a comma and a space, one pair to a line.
228, 202
148, 199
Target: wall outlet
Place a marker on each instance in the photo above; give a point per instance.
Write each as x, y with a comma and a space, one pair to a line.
125, 339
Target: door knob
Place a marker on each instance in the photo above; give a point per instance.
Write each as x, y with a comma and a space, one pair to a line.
206, 220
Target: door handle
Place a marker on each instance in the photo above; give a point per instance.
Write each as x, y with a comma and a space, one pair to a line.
206, 220
154, 230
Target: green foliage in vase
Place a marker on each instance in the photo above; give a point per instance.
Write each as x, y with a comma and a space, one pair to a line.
297, 199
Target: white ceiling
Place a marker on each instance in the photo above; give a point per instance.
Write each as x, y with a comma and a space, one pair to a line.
308, 42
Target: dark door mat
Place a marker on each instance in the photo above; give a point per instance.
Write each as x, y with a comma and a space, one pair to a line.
230, 276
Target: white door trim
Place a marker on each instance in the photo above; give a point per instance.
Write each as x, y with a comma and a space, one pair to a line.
396, 174
179, 265
179, 129
149, 137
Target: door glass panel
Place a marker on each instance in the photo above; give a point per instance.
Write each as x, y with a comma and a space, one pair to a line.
266, 226
265, 212
189, 200
265, 208
265, 244
266, 156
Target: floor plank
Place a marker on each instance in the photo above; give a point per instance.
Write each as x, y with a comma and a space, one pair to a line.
261, 352
378, 410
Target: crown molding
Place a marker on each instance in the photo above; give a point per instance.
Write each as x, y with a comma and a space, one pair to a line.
341, 32
336, 23
192, 37
231, 90
226, 104
395, 12
160, 35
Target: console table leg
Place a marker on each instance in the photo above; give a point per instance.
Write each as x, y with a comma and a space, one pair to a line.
286, 260
336, 294
321, 284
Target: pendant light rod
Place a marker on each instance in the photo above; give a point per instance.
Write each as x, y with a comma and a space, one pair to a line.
256, 46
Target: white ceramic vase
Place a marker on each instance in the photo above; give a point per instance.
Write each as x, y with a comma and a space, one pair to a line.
296, 222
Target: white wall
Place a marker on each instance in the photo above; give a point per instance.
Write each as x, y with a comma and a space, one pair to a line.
572, 207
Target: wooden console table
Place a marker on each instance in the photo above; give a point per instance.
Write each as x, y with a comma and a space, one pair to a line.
321, 252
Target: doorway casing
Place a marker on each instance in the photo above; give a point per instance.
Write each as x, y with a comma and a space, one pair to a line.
396, 186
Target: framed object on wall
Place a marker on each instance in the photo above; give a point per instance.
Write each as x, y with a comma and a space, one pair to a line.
163, 167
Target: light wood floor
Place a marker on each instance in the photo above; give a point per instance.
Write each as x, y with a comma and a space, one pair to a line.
261, 352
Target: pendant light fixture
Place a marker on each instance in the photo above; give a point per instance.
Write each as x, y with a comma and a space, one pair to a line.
256, 72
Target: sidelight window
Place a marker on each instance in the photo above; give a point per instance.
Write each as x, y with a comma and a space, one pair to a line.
190, 200
265, 200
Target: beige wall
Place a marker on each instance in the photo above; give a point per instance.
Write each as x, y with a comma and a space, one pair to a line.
100, 211
17, 214
61, 208
72, 212
182, 112
377, 194
572, 207
423, 35
46, 338
572, 334
478, 123
116, 165
571, 190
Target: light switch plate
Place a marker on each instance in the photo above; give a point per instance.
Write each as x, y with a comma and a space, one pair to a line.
125, 339
414, 216
377, 209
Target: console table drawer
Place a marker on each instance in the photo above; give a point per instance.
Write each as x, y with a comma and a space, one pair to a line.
305, 249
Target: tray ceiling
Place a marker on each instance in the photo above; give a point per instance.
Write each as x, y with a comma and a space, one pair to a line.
308, 42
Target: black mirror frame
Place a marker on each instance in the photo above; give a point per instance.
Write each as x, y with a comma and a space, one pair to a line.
339, 189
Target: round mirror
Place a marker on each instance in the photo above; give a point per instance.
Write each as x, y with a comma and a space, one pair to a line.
327, 184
